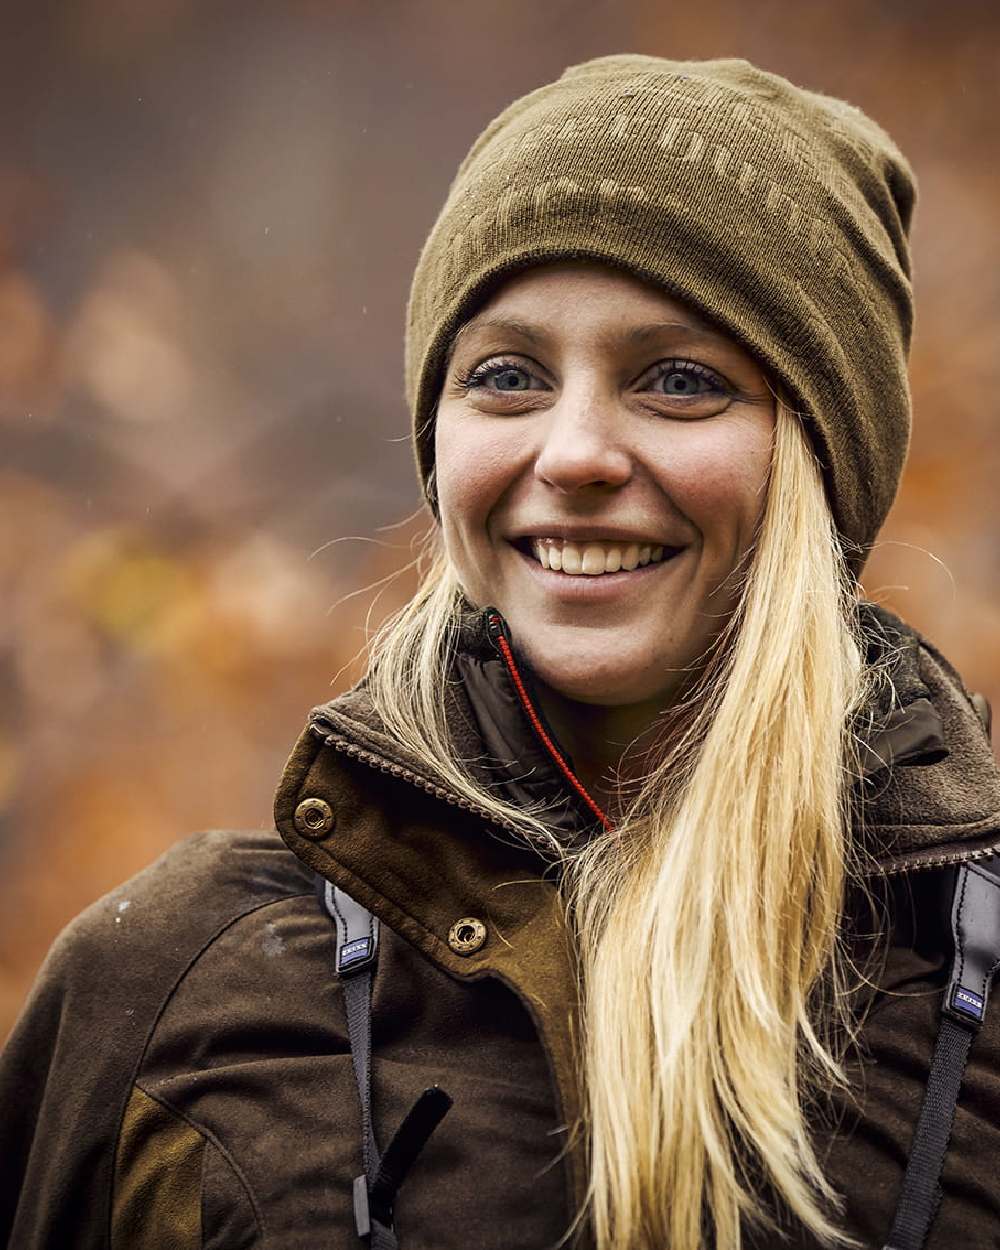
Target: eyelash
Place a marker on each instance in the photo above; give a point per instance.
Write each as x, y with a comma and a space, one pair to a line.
482, 373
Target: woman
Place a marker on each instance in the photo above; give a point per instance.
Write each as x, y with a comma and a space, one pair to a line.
617, 842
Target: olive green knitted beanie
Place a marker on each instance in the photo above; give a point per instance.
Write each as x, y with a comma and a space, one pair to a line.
779, 214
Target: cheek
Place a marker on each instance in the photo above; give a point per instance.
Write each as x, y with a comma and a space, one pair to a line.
718, 476
476, 462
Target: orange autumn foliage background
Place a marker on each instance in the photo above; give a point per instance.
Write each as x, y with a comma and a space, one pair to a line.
209, 215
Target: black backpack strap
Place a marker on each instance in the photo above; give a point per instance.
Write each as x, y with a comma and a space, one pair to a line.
375, 1189
975, 922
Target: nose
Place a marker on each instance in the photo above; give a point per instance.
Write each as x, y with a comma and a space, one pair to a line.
582, 446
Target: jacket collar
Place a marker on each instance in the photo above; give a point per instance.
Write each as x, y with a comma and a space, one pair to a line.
931, 794
931, 790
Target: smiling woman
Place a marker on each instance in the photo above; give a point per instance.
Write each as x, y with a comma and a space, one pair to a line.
600, 478
618, 839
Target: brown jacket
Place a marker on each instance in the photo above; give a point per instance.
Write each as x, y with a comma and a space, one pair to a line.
181, 1076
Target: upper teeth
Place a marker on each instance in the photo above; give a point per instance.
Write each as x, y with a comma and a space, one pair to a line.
592, 557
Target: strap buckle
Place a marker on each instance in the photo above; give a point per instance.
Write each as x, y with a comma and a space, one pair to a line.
362, 1213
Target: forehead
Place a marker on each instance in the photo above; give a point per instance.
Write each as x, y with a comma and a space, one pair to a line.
562, 283
588, 301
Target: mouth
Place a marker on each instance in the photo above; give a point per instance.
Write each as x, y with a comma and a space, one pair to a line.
593, 558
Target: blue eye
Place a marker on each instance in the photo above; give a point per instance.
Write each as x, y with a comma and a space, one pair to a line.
509, 378
683, 379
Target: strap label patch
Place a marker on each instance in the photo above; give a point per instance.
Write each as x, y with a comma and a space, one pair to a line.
354, 952
967, 1002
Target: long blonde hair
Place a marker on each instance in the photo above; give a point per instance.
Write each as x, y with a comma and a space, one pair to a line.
708, 919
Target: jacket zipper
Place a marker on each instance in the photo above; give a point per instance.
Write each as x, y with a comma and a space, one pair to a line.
937, 861
500, 636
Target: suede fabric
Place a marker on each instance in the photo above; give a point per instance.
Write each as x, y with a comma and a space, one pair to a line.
193, 1015
157, 1200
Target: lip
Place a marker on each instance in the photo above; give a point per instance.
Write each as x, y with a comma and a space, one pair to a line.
592, 534
585, 588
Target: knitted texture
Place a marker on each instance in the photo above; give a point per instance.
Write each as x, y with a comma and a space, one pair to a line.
779, 214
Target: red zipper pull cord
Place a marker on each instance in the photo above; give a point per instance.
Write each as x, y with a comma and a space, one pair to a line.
497, 632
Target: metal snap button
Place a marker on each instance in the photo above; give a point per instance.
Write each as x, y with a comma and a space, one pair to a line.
467, 936
314, 818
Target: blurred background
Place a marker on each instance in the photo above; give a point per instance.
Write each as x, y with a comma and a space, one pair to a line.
209, 215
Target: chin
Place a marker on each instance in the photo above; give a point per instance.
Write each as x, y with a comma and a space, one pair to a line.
589, 679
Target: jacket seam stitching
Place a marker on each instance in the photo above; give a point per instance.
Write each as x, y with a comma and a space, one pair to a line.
977, 823
205, 1132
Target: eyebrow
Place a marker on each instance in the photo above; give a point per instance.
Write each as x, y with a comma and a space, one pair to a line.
634, 337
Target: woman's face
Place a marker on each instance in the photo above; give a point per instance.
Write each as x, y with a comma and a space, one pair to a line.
602, 457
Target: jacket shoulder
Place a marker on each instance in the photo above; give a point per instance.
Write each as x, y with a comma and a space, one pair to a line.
69, 1065
151, 925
